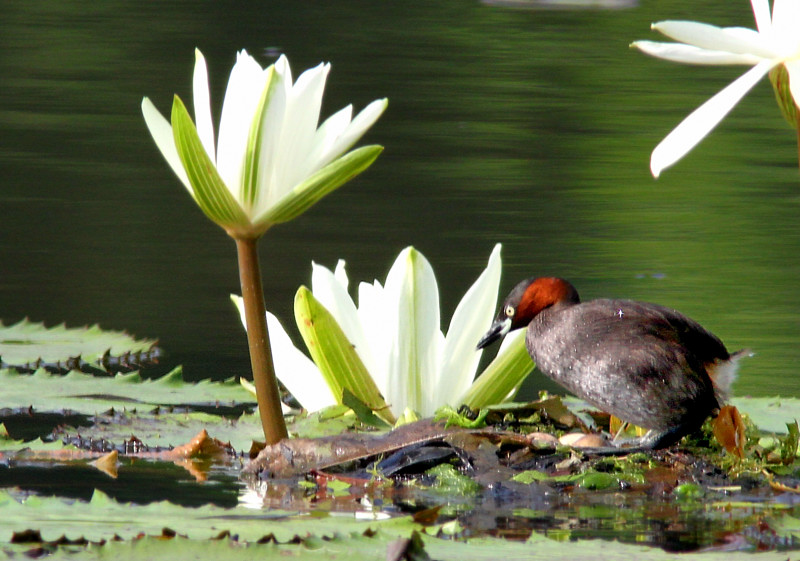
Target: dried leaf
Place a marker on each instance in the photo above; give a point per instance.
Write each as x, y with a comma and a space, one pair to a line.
729, 430
108, 463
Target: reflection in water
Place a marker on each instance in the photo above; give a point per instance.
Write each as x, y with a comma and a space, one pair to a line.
530, 128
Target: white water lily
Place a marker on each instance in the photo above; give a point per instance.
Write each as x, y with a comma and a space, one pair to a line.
395, 329
271, 160
777, 42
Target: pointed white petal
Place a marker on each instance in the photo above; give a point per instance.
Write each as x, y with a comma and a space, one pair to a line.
329, 292
793, 69
161, 131
202, 105
302, 117
354, 131
698, 124
242, 96
273, 123
326, 136
294, 369
761, 13
412, 285
786, 26
375, 313
687, 54
341, 274
472, 318
737, 40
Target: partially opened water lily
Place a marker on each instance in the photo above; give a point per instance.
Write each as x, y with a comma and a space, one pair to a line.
395, 331
774, 48
269, 162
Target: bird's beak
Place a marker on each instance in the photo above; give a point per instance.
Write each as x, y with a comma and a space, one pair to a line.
498, 329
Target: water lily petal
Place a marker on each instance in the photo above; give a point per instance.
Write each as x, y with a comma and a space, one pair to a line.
271, 131
294, 369
318, 185
503, 375
470, 321
340, 272
302, 117
761, 13
202, 105
688, 54
161, 131
242, 96
374, 311
210, 192
355, 130
331, 293
737, 40
327, 134
785, 20
699, 123
412, 284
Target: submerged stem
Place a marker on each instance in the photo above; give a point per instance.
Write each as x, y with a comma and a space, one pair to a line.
267, 395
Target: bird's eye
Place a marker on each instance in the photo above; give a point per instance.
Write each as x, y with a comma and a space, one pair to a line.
510, 311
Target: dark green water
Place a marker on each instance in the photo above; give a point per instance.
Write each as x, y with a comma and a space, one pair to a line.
528, 127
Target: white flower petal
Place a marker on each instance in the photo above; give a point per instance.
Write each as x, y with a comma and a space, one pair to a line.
412, 284
273, 122
294, 369
472, 318
699, 123
326, 137
688, 54
161, 131
302, 118
354, 131
786, 27
242, 96
202, 105
328, 290
761, 13
341, 274
736, 40
375, 313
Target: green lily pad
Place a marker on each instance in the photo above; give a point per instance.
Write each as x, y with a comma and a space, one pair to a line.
102, 518
84, 393
29, 345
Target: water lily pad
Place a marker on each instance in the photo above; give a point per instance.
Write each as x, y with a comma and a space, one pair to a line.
102, 518
84, 393
29, 345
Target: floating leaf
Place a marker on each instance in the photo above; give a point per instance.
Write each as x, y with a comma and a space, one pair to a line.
88, 394
28, 345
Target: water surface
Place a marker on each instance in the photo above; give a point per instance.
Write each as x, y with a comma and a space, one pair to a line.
532, 128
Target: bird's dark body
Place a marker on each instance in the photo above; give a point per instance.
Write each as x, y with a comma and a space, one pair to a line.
646, 364
643, 363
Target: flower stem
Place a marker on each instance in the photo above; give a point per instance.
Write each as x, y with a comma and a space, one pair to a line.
269, 403
797, 127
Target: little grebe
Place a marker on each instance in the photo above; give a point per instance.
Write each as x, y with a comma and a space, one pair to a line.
646, 364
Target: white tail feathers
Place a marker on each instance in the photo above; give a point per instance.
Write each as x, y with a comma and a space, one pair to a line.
723, 374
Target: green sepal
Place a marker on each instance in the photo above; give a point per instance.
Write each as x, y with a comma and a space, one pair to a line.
334, 354
783, 95
210, 192
335, 174
502, 376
